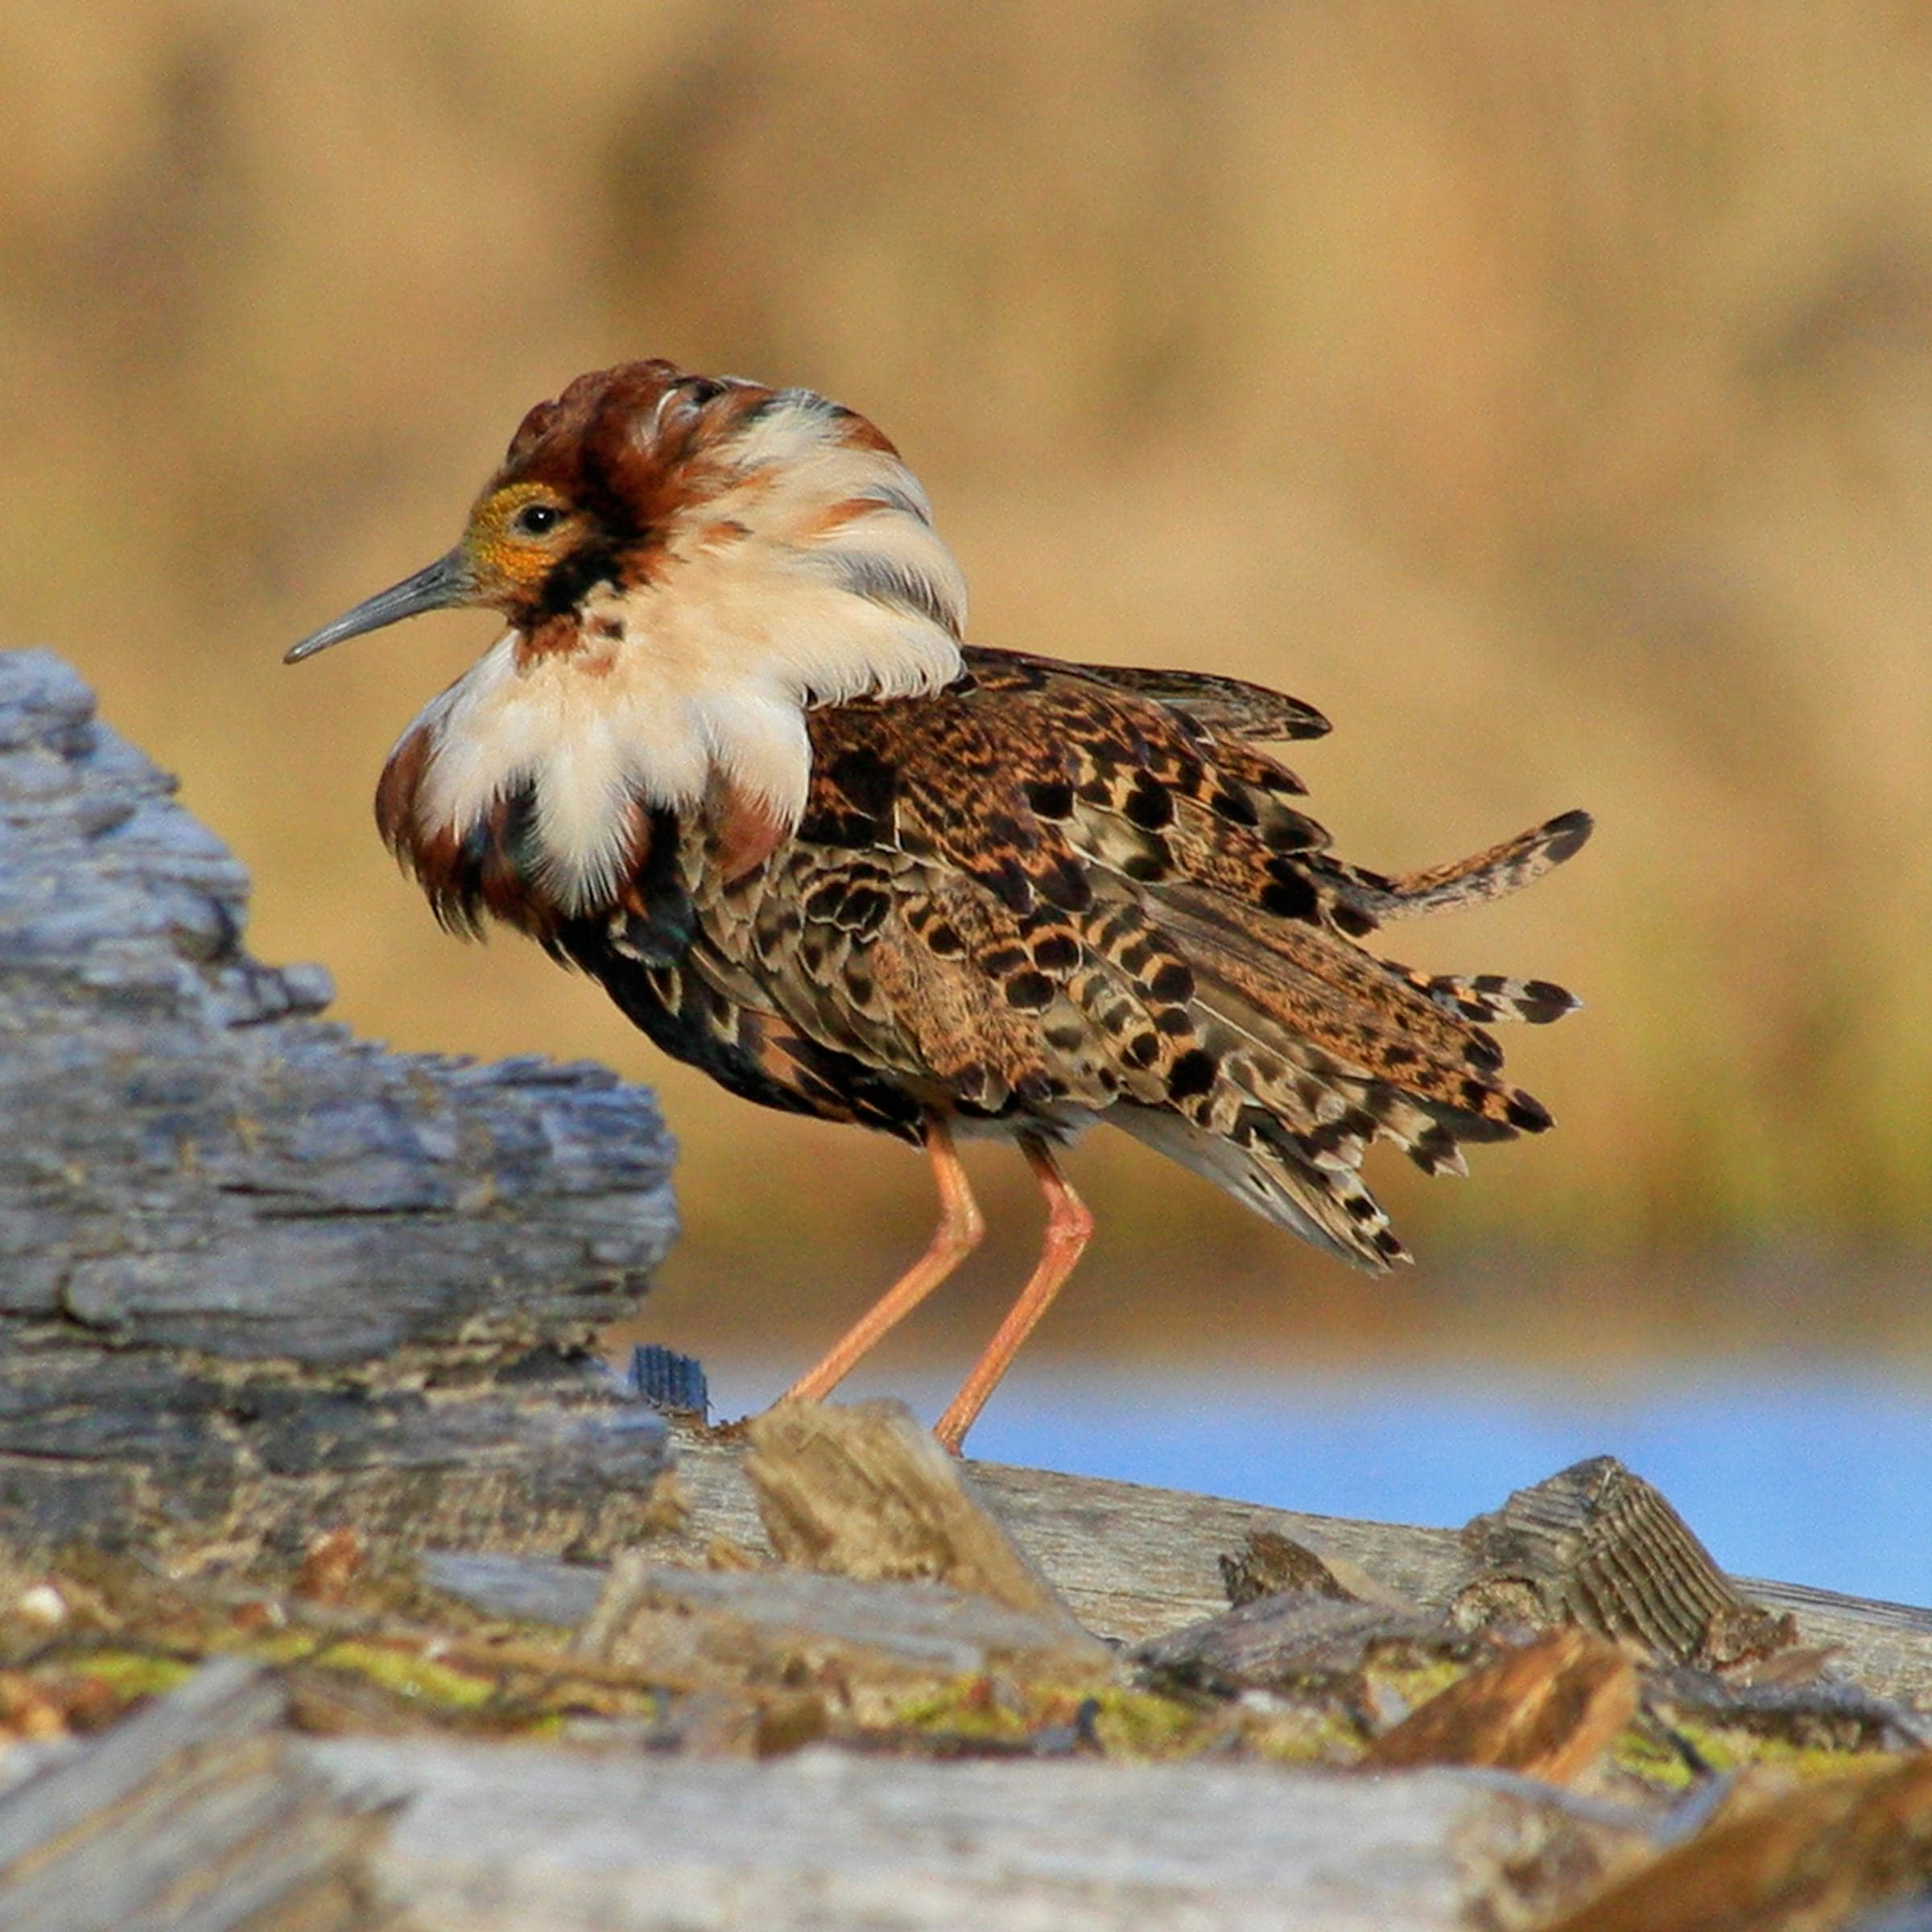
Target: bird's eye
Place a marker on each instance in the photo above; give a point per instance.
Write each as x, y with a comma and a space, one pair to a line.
536, 519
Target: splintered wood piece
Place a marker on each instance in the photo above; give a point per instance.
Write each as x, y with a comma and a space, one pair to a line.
864, 1491
1268, 1563
1597, 1546
786, 1628
1819, 1714
1806, 1862
1286, 1640
1549, 1710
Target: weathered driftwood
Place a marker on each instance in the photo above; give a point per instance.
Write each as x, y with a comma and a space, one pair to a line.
202, 1812
255, 1274
199, 1814
1540, 1715
823, 1839
702, 1693
683, 1626
1135, 1562
1298, 1637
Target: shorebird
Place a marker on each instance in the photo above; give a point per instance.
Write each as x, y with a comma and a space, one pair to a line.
733, 759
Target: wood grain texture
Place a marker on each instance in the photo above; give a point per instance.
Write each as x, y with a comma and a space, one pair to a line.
1549, 1710
864, 1491
821, 1839
1133, 1562
1598, 1546
194, 1815
238, 1246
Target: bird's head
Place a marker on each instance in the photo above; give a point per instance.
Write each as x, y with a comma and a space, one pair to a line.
636, 471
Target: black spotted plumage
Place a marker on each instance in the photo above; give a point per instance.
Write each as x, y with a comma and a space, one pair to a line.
1110, 957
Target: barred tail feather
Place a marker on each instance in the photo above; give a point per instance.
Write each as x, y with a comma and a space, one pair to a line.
1493, 874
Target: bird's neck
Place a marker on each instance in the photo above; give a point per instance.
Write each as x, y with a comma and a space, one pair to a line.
573, 736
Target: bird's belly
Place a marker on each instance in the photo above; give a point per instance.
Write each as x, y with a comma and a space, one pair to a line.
1057, 1122
751, 1053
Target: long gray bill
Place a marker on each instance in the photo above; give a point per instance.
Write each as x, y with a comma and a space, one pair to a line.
443, 586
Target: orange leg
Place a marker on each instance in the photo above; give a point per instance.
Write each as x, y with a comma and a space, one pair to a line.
958, 1232
1069, 1227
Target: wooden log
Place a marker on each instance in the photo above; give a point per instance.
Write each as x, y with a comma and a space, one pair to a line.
256, 1274
201, 1811
1134, 1563
823, 1839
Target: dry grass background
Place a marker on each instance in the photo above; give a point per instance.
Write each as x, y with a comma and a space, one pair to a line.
1545, 392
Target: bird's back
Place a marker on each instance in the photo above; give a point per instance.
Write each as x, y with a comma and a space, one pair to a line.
1053, 893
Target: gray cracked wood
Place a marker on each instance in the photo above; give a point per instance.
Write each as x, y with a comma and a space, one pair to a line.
822, 1840
254, 1271
680, 1624
1134, 1563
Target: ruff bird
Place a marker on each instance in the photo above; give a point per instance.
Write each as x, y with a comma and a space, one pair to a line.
733, 759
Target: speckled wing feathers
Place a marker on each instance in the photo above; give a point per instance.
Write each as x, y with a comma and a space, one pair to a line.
1056, 892
1228, 708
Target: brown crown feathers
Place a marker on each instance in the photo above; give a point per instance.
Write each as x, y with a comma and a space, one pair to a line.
731, 759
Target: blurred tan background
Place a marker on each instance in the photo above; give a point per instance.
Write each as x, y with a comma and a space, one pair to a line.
1545, 393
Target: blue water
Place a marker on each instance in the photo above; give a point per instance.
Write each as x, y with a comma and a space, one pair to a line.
1822, 1478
